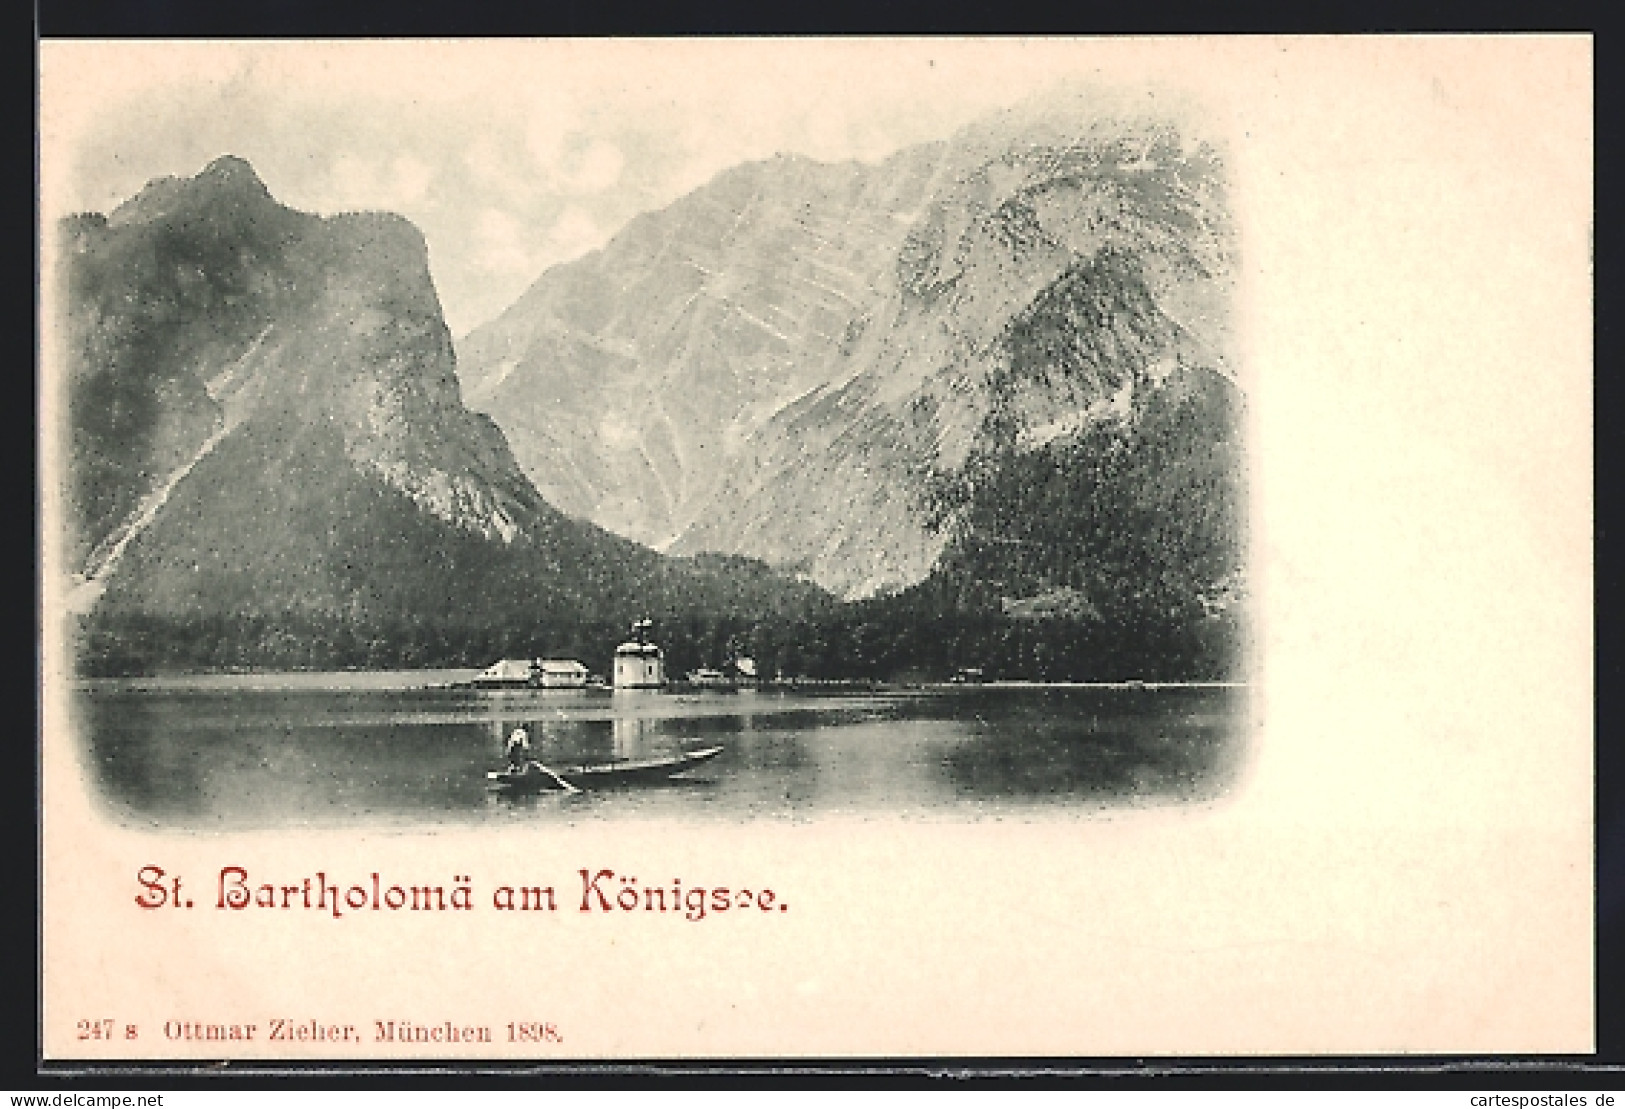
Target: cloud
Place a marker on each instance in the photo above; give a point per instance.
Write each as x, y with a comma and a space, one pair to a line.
356, 182
499, 243
566, 157
502, 250
597, 169
491, 169
508, 245
547, 133
410, 179
519, 154
574, 234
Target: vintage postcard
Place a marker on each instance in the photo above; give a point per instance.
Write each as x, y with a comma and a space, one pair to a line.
672, 549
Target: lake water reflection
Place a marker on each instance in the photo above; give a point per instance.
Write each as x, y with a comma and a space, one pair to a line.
339, 750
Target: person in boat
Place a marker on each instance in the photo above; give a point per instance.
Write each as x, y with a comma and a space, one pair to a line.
518, 750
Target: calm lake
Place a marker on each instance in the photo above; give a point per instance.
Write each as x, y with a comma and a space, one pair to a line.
268, 751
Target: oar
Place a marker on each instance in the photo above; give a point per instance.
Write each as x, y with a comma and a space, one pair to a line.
556, 776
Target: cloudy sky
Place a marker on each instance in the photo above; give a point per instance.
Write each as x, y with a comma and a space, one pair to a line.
512, 156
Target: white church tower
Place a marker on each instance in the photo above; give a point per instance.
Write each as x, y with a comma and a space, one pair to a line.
639, 664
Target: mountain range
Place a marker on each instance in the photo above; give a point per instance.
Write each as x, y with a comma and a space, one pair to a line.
265, 418
989, 375
795, 361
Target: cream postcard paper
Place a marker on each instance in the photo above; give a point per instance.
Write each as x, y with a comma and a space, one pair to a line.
1113, 520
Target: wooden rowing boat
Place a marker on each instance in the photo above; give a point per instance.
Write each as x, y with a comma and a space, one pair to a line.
536, 777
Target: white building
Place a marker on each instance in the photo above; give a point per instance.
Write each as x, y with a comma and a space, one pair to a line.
525, 673
639, 664
507, 672
561, 673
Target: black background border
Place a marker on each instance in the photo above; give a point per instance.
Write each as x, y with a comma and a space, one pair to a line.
23, 1068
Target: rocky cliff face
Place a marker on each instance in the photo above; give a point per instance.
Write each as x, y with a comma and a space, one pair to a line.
849, 350
266, 417
630, 380
1041, 291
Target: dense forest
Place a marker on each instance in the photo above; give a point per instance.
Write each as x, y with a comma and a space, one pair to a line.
884, 641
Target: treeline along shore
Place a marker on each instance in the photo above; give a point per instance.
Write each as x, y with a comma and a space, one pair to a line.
865, 641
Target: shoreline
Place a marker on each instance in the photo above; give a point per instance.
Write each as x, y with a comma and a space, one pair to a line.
455, 681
